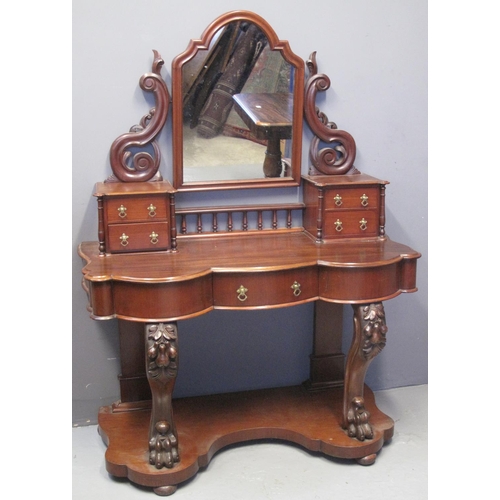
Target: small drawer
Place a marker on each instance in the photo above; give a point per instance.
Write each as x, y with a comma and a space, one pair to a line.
135, 209
352, 223
257, 289
138, 237
348, 198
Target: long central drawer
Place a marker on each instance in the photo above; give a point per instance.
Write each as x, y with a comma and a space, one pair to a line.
236, 290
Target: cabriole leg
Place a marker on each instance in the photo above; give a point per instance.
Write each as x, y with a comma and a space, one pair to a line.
161, 369
369, 339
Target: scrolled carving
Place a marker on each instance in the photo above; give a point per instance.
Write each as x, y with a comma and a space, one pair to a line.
142, 165
339, 158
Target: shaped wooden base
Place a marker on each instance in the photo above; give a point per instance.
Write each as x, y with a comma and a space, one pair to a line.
207, 424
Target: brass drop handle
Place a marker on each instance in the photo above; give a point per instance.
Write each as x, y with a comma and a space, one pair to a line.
153, 238
152, 210
242, 293
296, 289
338, 200
364, 200
123, 240
363, 224
122, 211
338, 225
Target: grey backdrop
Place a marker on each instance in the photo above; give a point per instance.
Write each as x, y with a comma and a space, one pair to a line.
375, 53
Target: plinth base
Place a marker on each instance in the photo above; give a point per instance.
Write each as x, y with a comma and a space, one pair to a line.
208, 423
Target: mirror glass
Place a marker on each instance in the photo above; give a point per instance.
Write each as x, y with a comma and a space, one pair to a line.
235, 117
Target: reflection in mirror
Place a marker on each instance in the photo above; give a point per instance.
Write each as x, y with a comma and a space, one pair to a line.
237, 107
227, 135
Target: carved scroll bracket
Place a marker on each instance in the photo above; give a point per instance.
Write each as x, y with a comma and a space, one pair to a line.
339, 158
142, 166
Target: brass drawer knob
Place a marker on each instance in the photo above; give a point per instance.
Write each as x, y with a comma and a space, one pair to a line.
338, 225
338, 200
153, 238
296, 289
122, 211
152, 210
242, 293
364, 200
363, 224
123, 240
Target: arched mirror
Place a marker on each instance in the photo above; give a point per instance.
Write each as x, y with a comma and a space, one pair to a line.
237, 108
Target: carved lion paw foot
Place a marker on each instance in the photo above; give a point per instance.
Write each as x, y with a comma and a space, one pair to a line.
163, 447
358, 420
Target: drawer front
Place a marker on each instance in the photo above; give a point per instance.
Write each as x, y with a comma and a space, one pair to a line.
362, 284
138, 237
136, 209
350, 223
258, 289
163, 301
349, 198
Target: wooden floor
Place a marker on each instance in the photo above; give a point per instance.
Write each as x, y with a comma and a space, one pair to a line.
275, 470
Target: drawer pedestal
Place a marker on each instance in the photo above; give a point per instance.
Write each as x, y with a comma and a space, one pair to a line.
135, 216
344, 206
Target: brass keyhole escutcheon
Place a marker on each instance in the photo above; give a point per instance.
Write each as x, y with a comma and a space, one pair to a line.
242, 293
152, 210
122, 211
338, 200
153, 238
123, 240
338, 225
364, 200
296, 289
363, 224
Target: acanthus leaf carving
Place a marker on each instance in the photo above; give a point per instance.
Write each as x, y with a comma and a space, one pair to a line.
162, 351
374, 330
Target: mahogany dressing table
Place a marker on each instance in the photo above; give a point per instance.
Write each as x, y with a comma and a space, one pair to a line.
155, 264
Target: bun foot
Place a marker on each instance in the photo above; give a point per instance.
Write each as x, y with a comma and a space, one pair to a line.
368, 460
165, 491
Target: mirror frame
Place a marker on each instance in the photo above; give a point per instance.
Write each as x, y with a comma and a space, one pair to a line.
177, 109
